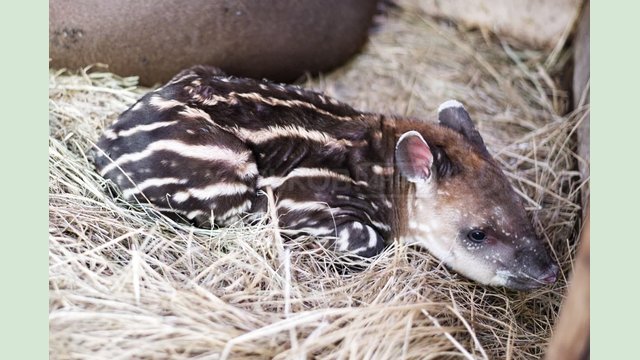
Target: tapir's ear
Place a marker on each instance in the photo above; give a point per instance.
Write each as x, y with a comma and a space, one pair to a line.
413, 157
453, 115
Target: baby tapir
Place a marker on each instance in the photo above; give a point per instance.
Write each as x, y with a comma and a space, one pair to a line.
204, 145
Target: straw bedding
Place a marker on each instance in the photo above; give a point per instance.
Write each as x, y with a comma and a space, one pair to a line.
126, 282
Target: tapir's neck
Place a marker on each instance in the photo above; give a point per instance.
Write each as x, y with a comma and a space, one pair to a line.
404, 218
397, 189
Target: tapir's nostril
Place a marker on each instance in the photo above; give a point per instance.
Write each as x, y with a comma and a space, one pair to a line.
550, 276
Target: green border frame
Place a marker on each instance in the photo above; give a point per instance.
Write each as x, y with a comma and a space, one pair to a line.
24, 173
615, 245
616, 255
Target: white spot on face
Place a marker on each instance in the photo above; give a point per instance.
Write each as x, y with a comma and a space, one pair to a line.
426, 228
501, 277
437, 225
498, 215
413, 224
471, 246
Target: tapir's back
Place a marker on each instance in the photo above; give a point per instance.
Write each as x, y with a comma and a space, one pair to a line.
203, 145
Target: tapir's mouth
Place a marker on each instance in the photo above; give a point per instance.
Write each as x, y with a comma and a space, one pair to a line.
526, 282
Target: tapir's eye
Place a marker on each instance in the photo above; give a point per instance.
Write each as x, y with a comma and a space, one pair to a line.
477, 236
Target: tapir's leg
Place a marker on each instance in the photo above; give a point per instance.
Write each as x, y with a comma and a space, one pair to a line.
316, 206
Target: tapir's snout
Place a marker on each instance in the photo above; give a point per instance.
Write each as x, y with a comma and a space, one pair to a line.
550, 276
534, 269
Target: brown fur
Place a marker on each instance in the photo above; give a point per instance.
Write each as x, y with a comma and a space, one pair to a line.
279, 40
206, 145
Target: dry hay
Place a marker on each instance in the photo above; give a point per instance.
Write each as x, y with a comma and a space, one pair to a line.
125, 282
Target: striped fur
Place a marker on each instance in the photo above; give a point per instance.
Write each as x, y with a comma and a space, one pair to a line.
203, 146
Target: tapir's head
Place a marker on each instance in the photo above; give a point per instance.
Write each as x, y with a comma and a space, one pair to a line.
464, 210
